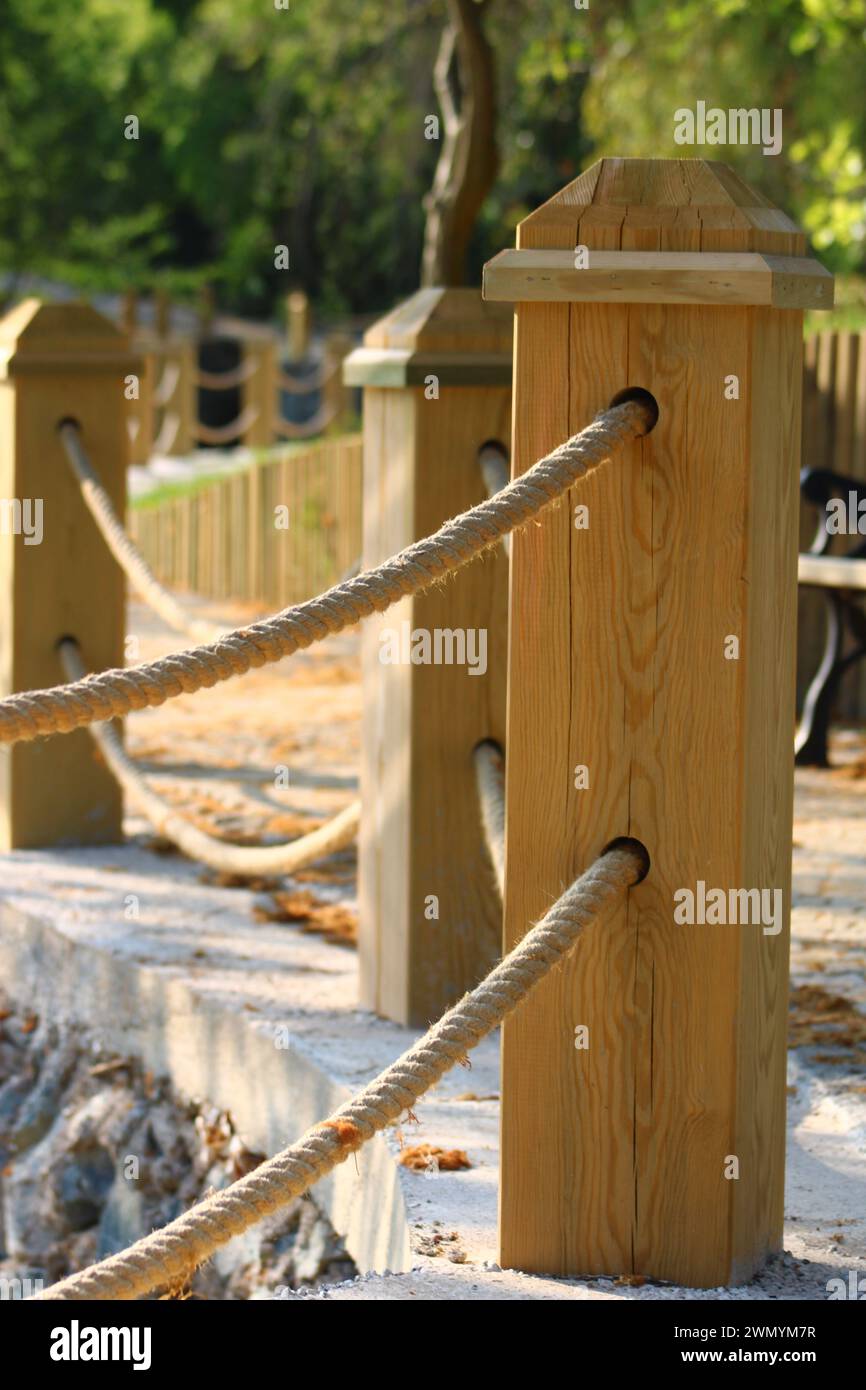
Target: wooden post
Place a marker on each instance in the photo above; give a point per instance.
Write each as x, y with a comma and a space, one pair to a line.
436, 374
58, 361
129, 312
185, 400
162, 313
260, 390
336, 393
206, 310
140, 416
651, 694
298, 323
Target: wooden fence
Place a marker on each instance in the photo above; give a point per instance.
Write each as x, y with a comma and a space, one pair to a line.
230, 541
834, 436
207, 543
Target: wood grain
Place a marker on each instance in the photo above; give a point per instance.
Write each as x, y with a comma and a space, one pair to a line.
658, 277
420, 834
613, 1158
56, 791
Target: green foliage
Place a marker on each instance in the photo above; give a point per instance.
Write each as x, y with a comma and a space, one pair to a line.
305, 127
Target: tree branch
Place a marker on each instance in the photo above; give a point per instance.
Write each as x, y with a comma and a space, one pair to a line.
468, 161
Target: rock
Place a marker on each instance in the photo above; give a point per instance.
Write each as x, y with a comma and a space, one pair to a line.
82, 1186
12, 1097
123, 1218
28, 1208
311, 1258
40, 1109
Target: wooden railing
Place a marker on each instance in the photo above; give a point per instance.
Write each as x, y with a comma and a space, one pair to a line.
834, 436
230, 540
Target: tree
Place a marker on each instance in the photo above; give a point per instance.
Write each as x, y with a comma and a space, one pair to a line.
468, 163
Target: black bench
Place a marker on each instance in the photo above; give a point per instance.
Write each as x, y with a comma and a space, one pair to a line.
842, 578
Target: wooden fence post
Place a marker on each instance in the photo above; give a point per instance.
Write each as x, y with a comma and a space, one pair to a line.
651, 694
260, 390
336, 392
185, 399
58, 361
298, 324
162, 313
437, 374
140, 422
173, 364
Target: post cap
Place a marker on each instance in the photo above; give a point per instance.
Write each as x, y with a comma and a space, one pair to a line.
661, 231
71, 337
448, 333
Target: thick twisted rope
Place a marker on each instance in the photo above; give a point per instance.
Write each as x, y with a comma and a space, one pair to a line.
169, 1256
245, 860
226, 381
287, 429
489, 770
224, 434
168, 432
493, 463
123, 548
303, 385
167, 385
112, 694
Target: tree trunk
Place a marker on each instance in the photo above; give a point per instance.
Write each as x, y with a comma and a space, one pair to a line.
468, 162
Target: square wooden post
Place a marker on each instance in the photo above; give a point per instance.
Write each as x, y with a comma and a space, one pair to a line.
436, 375
185, 398
651, 694
260, 390
58, 361
336, 392
173, 393
298, 325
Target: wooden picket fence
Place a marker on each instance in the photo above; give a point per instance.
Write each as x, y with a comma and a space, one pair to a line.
834, 436
226, 541
222, 542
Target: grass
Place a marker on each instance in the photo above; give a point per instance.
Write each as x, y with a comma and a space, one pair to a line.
187, 487
849, 314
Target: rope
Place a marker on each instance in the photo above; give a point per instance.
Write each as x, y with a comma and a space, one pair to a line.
491, 796
493, 463
112, 694
167, 384
335, 834
224, 434
168, 431
287, 429
303, 385
169, 1256
124, 550
225, 381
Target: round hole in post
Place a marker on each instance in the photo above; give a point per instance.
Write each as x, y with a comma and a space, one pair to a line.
643, 398
495, 469
493, 744
495, 446
636, 847
68, 420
